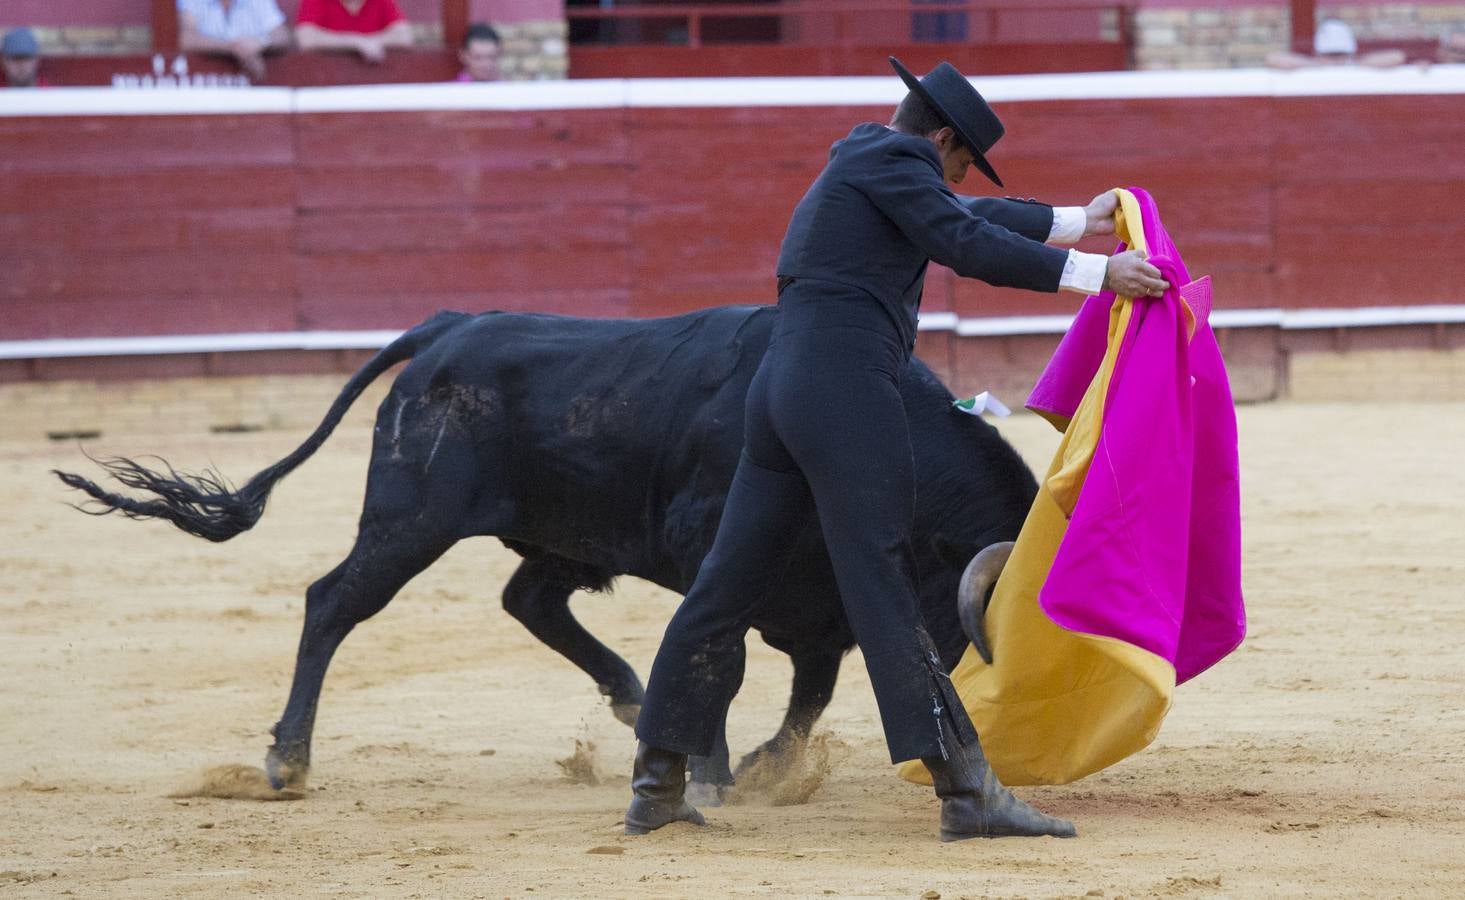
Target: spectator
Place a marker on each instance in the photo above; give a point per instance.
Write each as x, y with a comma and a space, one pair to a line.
21, 55
243, 29
1334, 44
1452, 47
480, 53
367, 27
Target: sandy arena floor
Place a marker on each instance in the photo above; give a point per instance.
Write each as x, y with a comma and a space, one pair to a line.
1325, 758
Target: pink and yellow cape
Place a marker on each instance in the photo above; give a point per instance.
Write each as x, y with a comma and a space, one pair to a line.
1126, 578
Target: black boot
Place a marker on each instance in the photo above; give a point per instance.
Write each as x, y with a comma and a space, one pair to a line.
658, 781
975, 804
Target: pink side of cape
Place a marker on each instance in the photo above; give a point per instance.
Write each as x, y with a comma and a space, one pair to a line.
1152, 554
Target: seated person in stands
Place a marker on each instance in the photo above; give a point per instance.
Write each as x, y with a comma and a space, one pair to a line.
1452, 47
367, 27
243, 29
480, 53
20, 55
1334, 44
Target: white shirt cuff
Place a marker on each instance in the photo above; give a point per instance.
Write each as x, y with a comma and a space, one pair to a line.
1069, 223
1084, 272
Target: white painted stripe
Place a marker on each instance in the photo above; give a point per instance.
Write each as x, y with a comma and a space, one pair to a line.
106, 101
1292, 320
1367, 316
1246, 318
197, 343
934, 321
997, 326
1130, 85
1336, 81
733, 92
728, 92
604, 93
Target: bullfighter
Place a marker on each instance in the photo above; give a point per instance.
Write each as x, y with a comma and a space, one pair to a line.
826, 442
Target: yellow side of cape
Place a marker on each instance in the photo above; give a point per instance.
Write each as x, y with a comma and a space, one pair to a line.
1056, 705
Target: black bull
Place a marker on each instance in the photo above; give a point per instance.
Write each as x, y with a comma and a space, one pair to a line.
592, 448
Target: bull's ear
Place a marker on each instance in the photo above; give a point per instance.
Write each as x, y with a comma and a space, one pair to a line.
953, 553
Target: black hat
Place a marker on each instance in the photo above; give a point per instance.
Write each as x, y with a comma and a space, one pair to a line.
958, 104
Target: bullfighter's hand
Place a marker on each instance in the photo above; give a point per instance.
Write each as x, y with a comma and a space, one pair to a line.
1128, 275
1099, 214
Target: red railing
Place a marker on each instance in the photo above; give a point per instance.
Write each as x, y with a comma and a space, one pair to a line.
1304, 21
840, 19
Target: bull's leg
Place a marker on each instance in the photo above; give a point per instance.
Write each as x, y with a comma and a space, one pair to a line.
815, 672
383, 560
542, 605
710, 776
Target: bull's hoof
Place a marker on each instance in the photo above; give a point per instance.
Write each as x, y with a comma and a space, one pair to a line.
771, 761
626, 713
702, 793
284, 774
624, 694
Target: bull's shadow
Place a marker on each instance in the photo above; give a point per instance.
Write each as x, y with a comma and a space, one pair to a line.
593, 449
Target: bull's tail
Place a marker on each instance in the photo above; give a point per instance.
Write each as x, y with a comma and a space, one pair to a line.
204, 504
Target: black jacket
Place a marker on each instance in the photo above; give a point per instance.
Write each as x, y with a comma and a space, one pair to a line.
881, 210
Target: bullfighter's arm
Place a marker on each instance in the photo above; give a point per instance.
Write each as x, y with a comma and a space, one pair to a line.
1029, 218
1035, 220
908, 188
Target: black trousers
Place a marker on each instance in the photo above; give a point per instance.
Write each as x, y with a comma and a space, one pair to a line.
826, 445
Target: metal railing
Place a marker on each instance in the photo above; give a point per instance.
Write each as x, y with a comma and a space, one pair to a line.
936, 17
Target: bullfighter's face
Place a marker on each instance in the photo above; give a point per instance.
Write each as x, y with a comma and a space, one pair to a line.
956, 156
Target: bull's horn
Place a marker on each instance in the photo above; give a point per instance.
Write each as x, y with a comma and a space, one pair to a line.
975, 591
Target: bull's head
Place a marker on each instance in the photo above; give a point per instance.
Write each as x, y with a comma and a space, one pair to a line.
975, 592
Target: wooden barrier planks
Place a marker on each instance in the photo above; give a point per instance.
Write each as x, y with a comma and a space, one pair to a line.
401, 214
158, 224
128, 225
1368, 192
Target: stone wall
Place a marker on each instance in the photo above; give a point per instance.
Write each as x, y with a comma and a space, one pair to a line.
1404, 21
1209, 38
534, 50
95, 40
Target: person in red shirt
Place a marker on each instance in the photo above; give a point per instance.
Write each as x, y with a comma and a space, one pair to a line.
367, 27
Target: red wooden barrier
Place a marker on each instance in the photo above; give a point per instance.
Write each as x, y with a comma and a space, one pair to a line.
165, 26
137, 225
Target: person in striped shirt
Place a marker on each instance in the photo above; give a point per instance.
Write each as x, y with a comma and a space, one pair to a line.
242, 29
